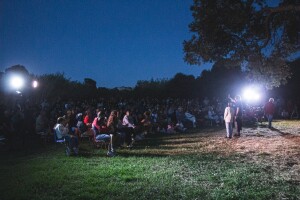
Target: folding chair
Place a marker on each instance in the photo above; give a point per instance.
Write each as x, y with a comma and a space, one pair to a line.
100, 143
64, 142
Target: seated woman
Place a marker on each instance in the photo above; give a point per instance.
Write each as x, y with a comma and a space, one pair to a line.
100, 128
87, 122
62, 131
88, 119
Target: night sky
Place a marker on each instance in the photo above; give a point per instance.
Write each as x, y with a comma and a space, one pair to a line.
114, 42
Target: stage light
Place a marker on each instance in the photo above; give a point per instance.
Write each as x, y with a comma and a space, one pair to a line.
35, 84
16, 82
251, 94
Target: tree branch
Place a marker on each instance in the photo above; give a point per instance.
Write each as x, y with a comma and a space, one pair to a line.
270, 12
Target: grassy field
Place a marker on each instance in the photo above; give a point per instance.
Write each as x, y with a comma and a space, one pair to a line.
202, 164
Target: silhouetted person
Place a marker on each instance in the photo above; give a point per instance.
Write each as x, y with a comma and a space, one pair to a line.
269, 111
238, 113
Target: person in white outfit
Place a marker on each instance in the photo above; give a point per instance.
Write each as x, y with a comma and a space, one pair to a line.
62, 131
229, 118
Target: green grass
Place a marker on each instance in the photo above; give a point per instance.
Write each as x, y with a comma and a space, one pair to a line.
151, 171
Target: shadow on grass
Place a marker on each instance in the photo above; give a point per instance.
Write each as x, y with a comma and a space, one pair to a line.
279, 131
157, 145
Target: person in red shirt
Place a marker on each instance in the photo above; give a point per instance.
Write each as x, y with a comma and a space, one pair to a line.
269, 111
88, 119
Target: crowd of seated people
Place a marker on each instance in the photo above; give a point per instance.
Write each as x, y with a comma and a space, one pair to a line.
134, 119
137, 118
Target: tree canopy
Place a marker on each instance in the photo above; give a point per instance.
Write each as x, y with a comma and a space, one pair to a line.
20, 69
251, 33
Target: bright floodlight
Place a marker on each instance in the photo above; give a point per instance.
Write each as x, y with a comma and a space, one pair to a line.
34, 84
251, 94
16, 82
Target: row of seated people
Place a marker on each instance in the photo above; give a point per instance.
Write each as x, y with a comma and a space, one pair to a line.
111, 130
176, 121
173, 121
163, 117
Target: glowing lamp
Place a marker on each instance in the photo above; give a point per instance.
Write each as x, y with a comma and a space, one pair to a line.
34, 84
251, 94
16, 82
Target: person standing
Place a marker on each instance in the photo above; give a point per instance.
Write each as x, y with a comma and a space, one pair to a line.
229, 118
238, 113
269, 109
129, 129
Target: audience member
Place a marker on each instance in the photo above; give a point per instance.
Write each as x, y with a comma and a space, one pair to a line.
99, 127
62, 131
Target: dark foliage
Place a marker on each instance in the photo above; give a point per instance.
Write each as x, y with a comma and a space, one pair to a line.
250, 33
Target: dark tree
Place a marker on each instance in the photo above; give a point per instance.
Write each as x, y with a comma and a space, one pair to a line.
90, 83
52, 86
152, 88
248, 32
182, 85
16, 70
290, 90
223, 78
20, 69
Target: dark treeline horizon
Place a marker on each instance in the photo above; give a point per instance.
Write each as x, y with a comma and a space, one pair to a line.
217, 82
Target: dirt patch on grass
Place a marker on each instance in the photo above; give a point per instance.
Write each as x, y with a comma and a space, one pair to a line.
276, 149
